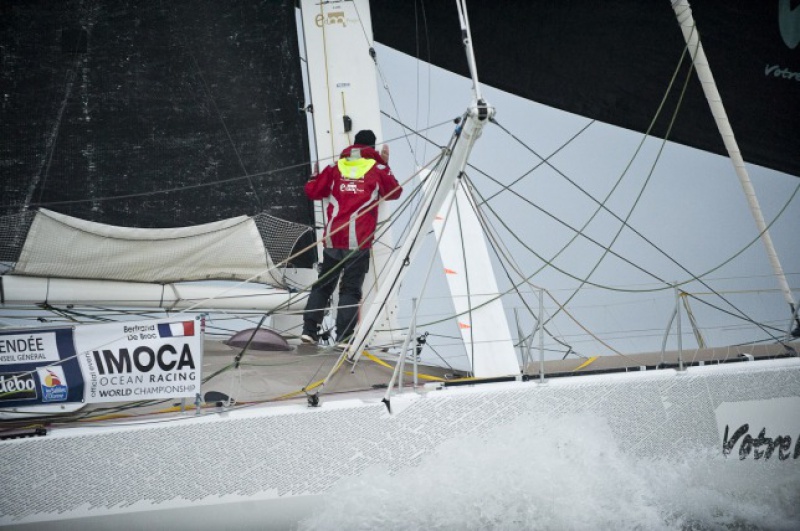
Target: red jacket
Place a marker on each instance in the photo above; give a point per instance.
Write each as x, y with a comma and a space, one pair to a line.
351, 212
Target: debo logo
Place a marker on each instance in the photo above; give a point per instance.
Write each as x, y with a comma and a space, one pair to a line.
789, 23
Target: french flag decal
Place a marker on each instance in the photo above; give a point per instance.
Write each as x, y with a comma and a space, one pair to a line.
185, 328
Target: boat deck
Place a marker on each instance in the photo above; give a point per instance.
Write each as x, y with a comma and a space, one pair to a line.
657, 360
279, 377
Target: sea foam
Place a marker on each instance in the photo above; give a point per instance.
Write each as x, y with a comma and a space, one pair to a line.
570, 476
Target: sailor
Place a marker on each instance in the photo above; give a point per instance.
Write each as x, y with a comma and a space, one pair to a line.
353, 187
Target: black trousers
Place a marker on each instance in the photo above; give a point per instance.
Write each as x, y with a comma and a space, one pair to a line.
352, 267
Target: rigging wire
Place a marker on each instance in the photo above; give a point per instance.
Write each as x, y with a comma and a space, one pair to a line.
624, 222
429, 62
177, 188
266, 173
601, 204
606, 287
578, 232
613, 288
373, 54
542, 160
504, 255
741, 317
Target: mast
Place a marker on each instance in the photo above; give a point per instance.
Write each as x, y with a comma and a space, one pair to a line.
343, 89
443, 185
683, 12
468, 267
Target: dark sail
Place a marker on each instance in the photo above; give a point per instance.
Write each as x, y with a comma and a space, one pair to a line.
111, 98
613, 61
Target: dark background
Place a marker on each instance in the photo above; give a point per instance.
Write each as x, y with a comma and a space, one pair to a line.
108, 98
613, 61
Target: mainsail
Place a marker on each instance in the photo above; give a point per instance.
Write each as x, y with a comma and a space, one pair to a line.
152, 115
151, 144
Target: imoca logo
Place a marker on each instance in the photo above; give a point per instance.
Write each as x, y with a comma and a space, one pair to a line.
789, 22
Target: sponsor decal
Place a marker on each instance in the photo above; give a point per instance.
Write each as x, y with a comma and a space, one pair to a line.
143, 359
332, 18
784, 73
19, 386
761, 447
789, 22
28, 348
789, 25
54, 383
761, 430
155, 359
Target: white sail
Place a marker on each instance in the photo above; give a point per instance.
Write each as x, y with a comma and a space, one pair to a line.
473, 287
66, 247
65, 260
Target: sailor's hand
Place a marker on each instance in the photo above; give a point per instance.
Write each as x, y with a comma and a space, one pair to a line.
385, 153
316, 170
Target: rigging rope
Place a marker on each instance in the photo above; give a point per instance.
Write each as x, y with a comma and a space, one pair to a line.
496, 243
624, 222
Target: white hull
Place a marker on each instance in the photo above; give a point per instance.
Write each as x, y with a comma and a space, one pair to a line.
266, 467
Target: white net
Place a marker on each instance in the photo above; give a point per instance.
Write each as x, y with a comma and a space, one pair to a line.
13, 229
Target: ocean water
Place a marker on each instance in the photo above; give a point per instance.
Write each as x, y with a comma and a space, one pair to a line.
521, 477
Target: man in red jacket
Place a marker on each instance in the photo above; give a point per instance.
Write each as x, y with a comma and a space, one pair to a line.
352, 189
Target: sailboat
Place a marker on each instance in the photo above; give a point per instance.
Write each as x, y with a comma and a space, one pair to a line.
263, 448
